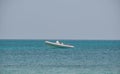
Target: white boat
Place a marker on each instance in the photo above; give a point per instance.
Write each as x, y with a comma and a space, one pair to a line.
58, 44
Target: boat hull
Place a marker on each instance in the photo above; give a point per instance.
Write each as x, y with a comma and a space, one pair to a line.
58, 45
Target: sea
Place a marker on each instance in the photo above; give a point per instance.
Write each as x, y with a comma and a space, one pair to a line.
35, 57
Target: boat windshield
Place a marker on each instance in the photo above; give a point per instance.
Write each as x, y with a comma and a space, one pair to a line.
57, 42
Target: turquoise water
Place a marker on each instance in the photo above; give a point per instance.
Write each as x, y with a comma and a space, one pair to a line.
35, 57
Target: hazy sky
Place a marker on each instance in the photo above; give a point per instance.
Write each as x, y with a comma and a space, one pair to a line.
59, 19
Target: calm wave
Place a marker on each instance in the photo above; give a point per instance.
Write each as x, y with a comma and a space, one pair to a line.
35, 57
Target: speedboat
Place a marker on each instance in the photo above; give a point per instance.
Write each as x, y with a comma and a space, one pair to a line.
58, 44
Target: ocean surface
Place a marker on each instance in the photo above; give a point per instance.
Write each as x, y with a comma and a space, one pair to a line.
35, 57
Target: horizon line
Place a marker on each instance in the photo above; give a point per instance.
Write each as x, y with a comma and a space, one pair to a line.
56, 39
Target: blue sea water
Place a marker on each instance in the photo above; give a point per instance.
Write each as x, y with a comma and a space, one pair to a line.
35, 57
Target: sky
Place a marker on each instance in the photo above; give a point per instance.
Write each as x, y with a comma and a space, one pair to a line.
60, 19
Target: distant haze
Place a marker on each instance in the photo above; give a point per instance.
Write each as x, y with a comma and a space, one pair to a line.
60, 19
